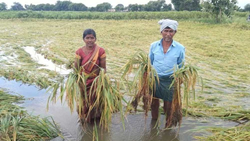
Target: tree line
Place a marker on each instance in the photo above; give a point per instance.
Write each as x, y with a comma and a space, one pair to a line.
102, 7
217, 8
159, 5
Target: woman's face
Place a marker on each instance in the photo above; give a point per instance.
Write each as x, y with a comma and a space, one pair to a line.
89, 40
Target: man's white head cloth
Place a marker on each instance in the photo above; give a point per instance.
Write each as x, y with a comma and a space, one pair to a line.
168, 23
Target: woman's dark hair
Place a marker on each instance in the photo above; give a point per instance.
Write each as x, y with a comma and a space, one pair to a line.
87, 32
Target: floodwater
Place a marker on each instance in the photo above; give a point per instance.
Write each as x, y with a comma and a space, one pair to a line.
137, 128
47, 64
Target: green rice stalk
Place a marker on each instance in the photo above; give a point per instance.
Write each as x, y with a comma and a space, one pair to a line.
144, 83
186, 75
144, 79
17, 124
106, 95
108, 99
69, 89
95, 133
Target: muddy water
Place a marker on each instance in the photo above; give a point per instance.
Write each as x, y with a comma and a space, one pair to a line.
137, 128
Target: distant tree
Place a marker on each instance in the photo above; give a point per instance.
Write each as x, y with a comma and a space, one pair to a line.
62, 5
177, 4
218, 8
154, 5
133, 7
247, 7
49, 7
206, 7
17, 6
77, 7
167, 7
29, 7
92, 9
237, 8
103, 7
39, 7
3, 6
119, 7
189, 5
141, 7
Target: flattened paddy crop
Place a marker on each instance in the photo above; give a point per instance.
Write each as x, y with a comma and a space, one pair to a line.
220, 51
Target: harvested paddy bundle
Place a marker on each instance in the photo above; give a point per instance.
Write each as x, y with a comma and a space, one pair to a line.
108, 98
144, 79
186, 76
101, 98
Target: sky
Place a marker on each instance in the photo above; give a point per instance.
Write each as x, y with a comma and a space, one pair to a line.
93, 3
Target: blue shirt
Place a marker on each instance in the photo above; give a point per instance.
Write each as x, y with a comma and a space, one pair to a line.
164, 63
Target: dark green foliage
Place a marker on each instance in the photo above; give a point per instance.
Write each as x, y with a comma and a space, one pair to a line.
154, 5
189, 5
62, 5
167, 7
77, 7
247, 7
119, 7
40, 7
17, 6
103, 7
218, 8
3, 6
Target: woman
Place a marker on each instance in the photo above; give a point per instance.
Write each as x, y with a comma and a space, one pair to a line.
90, 58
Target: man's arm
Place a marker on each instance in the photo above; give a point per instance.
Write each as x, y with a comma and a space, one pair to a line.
181, 58
151, 55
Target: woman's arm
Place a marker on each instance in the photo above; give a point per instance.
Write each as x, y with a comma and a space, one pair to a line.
103, 63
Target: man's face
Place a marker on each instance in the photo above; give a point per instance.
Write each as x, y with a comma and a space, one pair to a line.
168, 34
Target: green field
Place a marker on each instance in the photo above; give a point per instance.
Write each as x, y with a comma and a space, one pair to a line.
220, 51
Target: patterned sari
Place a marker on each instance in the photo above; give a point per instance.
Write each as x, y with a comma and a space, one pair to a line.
90, 63
90, 66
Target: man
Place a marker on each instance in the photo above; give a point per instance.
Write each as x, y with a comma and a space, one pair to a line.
165, 54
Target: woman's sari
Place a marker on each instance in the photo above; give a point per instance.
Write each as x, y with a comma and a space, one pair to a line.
90, 67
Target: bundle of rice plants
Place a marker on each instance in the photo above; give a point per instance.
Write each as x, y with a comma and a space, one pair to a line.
186, 76
101, 97
144, 79
69, 89
108, 98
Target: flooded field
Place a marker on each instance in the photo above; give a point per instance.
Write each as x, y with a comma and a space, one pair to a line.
137, 128
33, 55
